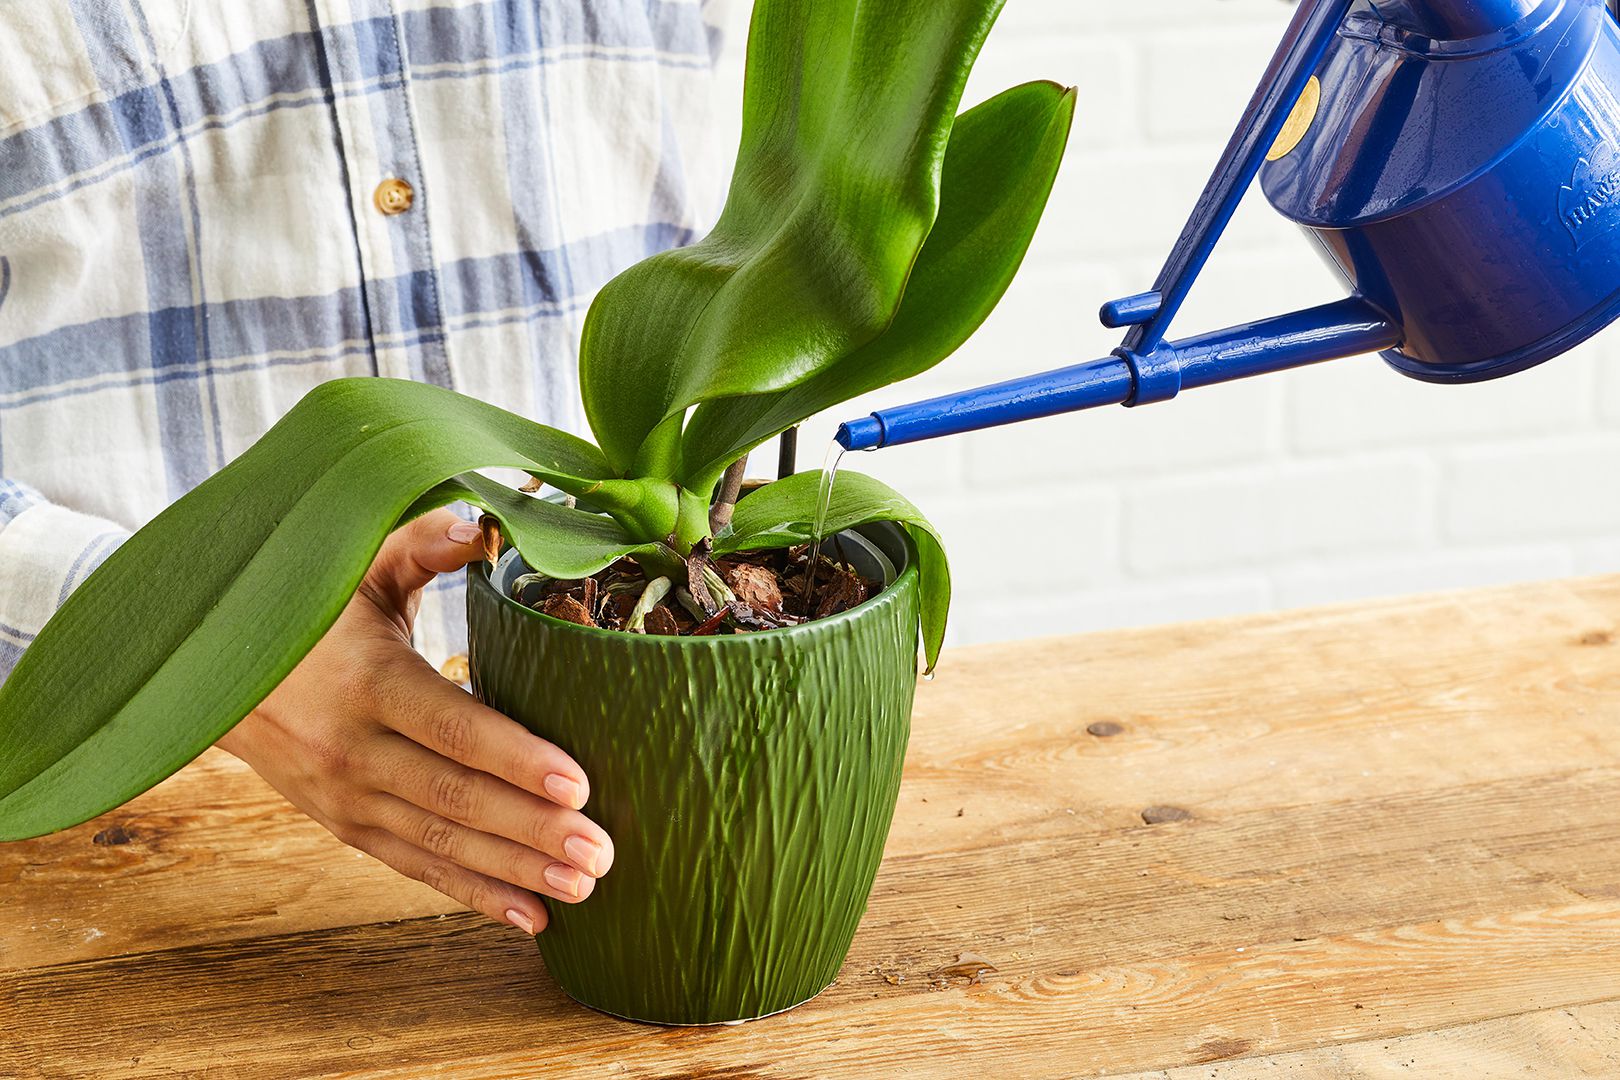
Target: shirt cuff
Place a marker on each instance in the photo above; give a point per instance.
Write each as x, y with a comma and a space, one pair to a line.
45, 552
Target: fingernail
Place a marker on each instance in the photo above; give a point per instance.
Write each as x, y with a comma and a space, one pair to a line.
462, 532
564, 790
520, 920
583, 852
563, 878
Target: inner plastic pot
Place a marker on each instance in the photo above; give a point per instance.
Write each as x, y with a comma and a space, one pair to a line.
748, 782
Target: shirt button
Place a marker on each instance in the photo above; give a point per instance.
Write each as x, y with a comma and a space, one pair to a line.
457, 669
393, 196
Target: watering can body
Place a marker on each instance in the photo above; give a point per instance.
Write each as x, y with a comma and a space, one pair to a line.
1457, 161
1469, 188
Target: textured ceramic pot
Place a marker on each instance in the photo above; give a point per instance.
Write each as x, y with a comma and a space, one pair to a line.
748, 783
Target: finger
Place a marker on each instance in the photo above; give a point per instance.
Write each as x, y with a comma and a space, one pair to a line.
489, 804
500, 900
491, 856
414, 554
428, 709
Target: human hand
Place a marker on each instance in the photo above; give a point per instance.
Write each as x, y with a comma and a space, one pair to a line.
394, 759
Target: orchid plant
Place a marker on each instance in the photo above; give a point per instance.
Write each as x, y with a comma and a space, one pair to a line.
868, 231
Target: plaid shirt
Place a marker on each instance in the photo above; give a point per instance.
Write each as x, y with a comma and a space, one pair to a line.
208, 207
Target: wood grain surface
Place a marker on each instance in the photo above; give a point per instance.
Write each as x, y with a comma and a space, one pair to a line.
1386, 843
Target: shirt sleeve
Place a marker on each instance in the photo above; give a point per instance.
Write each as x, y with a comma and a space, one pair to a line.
720, 22
46, 550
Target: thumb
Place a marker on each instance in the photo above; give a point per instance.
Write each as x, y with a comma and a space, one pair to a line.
436, 543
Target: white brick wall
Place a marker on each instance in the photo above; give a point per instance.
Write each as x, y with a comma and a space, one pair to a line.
1330, 483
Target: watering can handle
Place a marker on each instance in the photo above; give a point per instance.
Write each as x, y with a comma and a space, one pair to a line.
1307, 38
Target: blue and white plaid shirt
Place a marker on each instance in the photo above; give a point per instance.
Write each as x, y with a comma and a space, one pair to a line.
208, 207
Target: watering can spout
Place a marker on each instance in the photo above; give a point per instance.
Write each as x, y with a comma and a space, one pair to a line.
1344, 328
1457, 161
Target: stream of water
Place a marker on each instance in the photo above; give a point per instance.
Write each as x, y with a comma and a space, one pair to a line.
818, 528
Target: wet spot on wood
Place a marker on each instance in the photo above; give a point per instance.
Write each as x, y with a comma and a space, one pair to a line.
1596, 637
1158, 815
892, 977
1220, 1049
359, 1042
1104, 729
969, 966
113, 837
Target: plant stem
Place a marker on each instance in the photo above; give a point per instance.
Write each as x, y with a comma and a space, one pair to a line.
730, 487
787, 453
660, 454
692, 520
662, 562
648, 509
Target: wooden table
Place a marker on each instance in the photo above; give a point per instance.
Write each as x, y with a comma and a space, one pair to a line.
1392, 849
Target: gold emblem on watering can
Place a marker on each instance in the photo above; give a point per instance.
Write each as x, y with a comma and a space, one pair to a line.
1299, 120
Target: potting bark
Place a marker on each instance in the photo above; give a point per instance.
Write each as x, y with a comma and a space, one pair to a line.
768, 590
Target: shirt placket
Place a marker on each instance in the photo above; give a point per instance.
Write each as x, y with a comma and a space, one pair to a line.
389, 201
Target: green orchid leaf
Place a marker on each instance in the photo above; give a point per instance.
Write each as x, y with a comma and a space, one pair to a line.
783, 514
847, 109
999, 168
868, 231
555, 540
200, 614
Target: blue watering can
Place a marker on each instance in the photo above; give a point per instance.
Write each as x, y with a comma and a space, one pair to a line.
1458, 161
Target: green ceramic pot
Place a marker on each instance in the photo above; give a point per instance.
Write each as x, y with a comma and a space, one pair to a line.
748, 783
